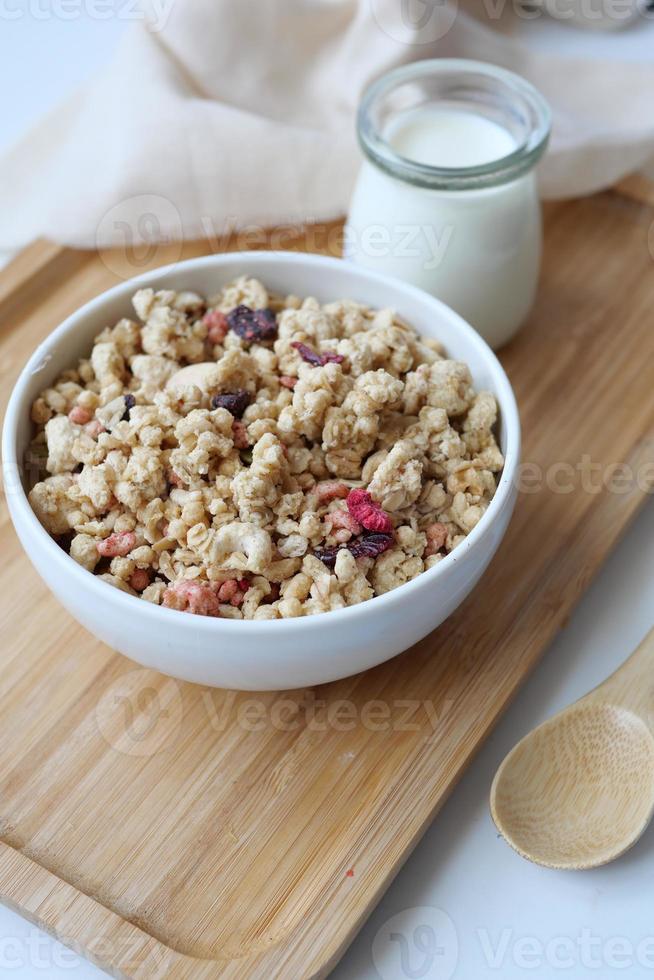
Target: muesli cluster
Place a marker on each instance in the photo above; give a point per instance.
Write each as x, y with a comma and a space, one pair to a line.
258, 457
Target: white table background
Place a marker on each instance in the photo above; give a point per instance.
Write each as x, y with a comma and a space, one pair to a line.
464, 905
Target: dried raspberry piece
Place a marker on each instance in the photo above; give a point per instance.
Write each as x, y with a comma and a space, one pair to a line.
217, 326
364, 510
232, 591
311, 356
194, 597
252, 326
117, 545
370, 545
234, 401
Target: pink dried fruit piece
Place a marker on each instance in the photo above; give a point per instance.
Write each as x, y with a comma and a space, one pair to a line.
311, 356
328, 490
436, 538
234, 401
94, 428
287, 381
240, 435
252, 326
343, 519
233, 591
117, 545
369, 514
194, 597
217, 326
79, 415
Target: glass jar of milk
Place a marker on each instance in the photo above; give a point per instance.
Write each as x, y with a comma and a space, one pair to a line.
447, 197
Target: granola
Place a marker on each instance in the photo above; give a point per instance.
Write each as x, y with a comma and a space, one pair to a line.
252, 456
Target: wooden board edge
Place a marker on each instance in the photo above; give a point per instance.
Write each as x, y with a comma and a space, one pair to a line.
34, 268
85, 926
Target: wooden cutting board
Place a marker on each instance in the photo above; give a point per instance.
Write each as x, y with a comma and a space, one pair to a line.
166, 830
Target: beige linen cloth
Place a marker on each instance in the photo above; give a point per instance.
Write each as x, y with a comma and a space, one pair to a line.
228, 113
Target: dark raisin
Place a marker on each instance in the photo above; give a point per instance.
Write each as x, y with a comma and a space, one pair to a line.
370, 545
130, 402
365, 546
311, 356
252, 326
234, 401
328, 555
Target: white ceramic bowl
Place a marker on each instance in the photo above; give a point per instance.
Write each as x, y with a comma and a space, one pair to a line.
263, 655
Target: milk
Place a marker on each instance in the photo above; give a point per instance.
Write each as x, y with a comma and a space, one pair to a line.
478, 250
442, 136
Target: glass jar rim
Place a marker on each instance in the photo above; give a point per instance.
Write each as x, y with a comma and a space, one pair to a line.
491, 174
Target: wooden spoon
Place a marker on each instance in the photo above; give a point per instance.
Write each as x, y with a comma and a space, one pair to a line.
578, 791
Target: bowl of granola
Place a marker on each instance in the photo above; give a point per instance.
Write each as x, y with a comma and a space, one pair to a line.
261, 470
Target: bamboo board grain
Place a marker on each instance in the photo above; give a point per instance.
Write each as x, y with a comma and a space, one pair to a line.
166, 830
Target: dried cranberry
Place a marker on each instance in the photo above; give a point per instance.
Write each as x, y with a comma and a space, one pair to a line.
252, 326
130, 402
370, 545
311, 356
234, 401
365, 546
307, 354
328, 555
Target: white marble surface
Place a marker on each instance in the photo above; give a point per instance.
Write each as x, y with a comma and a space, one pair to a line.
464, 906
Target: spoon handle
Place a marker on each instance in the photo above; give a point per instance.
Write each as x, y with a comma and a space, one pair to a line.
632, 684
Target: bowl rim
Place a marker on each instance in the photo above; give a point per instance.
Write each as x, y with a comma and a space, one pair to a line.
18, 503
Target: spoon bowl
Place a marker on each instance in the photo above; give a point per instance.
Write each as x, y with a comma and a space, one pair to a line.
578, 791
